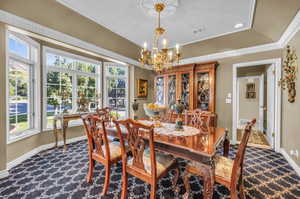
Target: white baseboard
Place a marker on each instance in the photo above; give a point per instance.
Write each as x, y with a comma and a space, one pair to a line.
290, 161
4, 174
37, 150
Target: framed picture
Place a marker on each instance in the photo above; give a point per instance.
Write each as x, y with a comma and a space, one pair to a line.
250, 91
142, 90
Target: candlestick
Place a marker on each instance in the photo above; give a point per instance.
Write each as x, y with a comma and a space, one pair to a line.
145, 46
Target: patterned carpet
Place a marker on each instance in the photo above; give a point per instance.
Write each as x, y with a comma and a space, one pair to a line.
54, 174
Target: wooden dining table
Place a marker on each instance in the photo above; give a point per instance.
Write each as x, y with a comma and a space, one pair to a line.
190, 144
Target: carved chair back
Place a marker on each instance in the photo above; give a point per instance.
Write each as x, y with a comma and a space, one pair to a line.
136, 145
170, 116
95, 128
239, 158
203, 120
104, 113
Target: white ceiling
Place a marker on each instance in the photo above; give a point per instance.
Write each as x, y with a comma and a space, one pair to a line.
127, 18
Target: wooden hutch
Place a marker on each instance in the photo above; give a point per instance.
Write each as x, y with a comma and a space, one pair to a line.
193, 84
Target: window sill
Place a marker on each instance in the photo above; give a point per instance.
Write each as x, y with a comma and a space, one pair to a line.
25, 134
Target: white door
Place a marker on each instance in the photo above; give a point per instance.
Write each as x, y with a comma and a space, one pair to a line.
270, 104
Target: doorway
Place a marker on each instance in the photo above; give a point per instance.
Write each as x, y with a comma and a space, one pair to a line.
257, 95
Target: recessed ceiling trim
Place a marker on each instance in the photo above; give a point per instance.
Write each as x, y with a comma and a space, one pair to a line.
25, 24
98, 21
289, 33
247, 27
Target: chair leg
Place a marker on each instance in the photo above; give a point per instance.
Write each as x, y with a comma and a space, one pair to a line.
153, 191
186, 180
176, 177
90, 173
241, 188
107, 178
124, 185
234, 195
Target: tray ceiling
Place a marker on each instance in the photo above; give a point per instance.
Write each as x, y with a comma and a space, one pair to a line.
192, 21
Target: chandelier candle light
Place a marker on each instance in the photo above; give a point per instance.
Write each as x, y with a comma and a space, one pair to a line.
159, 59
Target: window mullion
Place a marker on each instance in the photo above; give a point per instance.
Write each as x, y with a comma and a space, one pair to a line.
74, 92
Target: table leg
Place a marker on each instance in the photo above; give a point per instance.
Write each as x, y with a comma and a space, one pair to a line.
226, 145
64, 132
208, 181
55, 132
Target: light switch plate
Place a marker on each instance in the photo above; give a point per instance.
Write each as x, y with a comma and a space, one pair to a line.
228, 101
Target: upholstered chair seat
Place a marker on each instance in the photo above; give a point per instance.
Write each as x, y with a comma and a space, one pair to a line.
224, 167
163, 161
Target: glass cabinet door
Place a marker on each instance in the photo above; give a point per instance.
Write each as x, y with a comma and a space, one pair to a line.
160, 96
203, 91
171, 90
185, 90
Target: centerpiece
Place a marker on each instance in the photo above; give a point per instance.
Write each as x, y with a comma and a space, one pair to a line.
154, 111
179, 108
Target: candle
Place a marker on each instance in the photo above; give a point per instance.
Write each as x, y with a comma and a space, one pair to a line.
177, 48
170, 54
164, 43
145, 46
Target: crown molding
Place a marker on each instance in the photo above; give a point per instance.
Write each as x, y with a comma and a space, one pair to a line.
28, 25
291, 31
31, 26
231, 53
288, 34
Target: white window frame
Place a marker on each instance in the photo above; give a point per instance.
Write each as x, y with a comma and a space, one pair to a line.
34, 85
74, 74
106, 75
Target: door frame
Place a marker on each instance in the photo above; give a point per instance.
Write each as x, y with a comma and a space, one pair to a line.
261, 97
277, 104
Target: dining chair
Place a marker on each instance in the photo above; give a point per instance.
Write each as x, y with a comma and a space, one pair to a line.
170, 116
227, 172
203, 120
99, 147
104, 112
145, 163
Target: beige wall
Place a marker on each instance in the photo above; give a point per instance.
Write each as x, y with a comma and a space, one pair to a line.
52, 14
139, 73
224, 83
2, 98
291, 111
23, 146
248, 108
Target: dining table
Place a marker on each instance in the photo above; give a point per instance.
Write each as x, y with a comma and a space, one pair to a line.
190, 144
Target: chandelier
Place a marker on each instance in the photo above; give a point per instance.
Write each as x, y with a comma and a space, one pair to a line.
161, 57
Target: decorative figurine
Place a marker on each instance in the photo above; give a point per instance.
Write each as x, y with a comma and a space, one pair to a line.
82, 103
179, 108
135, 108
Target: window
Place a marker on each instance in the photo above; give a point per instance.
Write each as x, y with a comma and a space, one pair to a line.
116, 88
22, 91
67, 77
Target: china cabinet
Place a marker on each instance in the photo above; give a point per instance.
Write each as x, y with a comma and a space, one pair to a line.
193, 84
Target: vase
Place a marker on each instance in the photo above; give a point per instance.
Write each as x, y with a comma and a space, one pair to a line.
135, 108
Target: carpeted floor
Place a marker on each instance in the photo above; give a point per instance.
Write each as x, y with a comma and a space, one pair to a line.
54, 174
